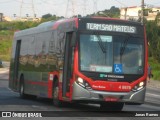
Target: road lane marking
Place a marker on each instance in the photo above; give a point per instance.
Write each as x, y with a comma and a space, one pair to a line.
155, 95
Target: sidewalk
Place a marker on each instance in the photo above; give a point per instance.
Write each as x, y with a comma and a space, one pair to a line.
3, 70
4, 73
152, 94
153, 84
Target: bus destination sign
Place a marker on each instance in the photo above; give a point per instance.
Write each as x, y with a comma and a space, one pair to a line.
111, 27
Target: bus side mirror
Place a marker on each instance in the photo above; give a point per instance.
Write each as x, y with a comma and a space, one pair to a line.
74, 39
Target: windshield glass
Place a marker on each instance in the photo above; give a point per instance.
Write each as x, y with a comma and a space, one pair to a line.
111, 54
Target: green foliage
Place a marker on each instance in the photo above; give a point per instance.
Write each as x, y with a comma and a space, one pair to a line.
7, 30
6, 37
6, 33
46, 16
19, 25
5, 49
49, 17
113, 12
155, 68
153, 36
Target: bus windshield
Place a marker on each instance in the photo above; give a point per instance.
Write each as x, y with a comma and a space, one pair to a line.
111, 54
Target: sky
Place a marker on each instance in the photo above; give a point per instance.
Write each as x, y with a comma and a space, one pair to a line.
59, 7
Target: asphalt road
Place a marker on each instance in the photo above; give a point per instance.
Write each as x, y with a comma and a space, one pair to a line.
10, 101
153, 96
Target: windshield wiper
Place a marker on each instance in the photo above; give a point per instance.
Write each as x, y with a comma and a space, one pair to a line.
123, 47
101, 43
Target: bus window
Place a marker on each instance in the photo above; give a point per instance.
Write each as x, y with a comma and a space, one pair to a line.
132, 58
95, 54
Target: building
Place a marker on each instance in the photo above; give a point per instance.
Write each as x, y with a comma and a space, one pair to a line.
9, 19
134, 12
152, 13
6, 18
130, 12
27, 19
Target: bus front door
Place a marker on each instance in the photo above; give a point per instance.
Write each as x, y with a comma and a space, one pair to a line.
16, 65
68, 63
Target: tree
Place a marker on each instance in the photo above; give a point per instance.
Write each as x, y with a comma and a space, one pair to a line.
46, 16
113, 12
153, 36
49, 17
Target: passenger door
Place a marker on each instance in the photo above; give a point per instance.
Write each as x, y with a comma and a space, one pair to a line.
68, 62
16, 64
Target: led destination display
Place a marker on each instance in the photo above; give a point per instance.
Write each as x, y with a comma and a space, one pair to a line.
111, 27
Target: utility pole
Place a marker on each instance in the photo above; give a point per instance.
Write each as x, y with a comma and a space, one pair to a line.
142, 12
73, 7
21, 9
71, 3
95, 6
33, 9
67, 9
125, 15
29, 5
84, 7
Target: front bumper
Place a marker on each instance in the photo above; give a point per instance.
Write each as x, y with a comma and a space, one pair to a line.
82, 94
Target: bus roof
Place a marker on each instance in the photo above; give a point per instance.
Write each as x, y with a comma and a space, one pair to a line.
51, 25
46, 26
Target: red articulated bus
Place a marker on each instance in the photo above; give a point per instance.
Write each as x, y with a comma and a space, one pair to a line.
95, 60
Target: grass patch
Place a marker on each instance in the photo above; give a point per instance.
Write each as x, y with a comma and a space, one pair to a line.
1, 66
6, 57
5, 45
155, 68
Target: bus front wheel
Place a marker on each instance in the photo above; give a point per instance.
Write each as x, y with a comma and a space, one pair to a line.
56, 101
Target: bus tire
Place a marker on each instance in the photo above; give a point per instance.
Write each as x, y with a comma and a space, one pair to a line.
56, 101
21, 88
111, 106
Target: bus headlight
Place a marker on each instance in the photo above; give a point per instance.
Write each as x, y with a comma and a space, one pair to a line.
139, 86
83, 83
80, 80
